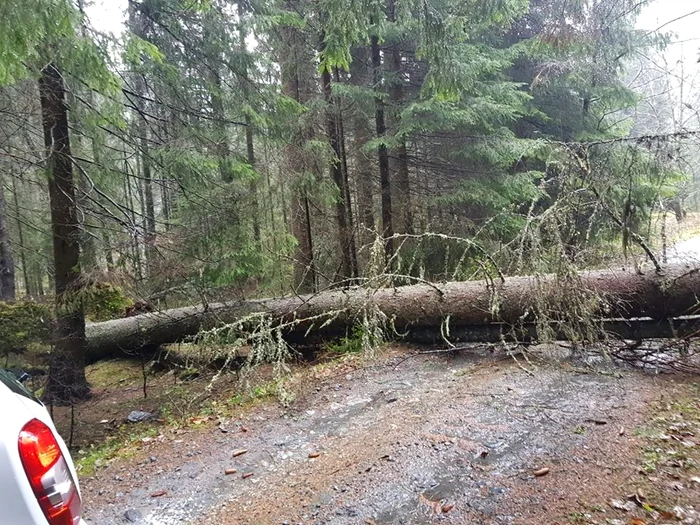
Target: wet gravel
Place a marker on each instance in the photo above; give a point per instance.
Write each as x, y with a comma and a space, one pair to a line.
433, 439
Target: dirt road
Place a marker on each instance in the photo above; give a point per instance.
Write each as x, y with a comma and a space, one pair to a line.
430, 440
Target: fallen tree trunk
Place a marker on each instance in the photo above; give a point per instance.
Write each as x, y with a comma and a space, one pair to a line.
514, 301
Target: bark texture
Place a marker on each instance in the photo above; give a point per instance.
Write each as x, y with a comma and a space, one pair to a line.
423, 308
362, 133
342, 206
294, 54
7, 263
383, 154
67, 382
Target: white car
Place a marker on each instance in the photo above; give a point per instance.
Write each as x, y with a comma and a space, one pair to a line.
38, 483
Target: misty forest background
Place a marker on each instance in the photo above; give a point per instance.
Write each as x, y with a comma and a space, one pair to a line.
222, 150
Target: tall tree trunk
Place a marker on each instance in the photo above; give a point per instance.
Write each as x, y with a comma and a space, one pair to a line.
88, 244
221, 145
67, 383
138, 24
398, 157
249, 142
7, 263
149, 218
131, 206
28, 290
294, 62
384, 176
346, 180
109, 257
362, 134
345, 234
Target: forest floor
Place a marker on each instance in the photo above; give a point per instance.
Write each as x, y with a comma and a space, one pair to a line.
473, 437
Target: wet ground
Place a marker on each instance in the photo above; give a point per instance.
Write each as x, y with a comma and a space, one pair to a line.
470, 438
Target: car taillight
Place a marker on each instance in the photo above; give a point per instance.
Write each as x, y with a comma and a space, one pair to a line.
48, 474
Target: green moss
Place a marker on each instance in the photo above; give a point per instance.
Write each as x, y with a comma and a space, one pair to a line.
104, 301
23, 323
124, 445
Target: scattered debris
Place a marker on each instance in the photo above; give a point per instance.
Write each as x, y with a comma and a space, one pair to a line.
246, 475
541, 472
159, 493
239, 452
230, 471
313, 455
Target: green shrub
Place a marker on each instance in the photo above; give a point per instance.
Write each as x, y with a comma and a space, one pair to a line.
350, 344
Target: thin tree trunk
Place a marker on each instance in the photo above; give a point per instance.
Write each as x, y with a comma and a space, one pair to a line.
109, 258
131, 205
20, 236
67, 382
223, 150
294, 61
249, 142
138, 25
346, 181
362, 134
344, 229
384, 176
7, 263
165, 199
398, 157
149, 208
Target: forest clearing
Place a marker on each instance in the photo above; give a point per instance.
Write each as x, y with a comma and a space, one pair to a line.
357, 261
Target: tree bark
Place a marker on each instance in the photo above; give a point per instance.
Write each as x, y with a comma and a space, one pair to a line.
398, 156
294, 61
362, 134
67, 382
345, 233
346, 179
383, 156
249, 138
427, 308
138, 25
149, 216
20, 236
7, 263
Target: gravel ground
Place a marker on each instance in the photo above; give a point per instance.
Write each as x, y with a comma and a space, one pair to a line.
433, 439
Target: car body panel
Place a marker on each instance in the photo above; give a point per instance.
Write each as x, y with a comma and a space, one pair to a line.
17, 501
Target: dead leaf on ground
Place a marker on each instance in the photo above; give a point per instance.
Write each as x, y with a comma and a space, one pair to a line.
637, 521
447, 507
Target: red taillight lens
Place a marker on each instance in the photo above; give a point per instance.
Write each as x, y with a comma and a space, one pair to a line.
48, 474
